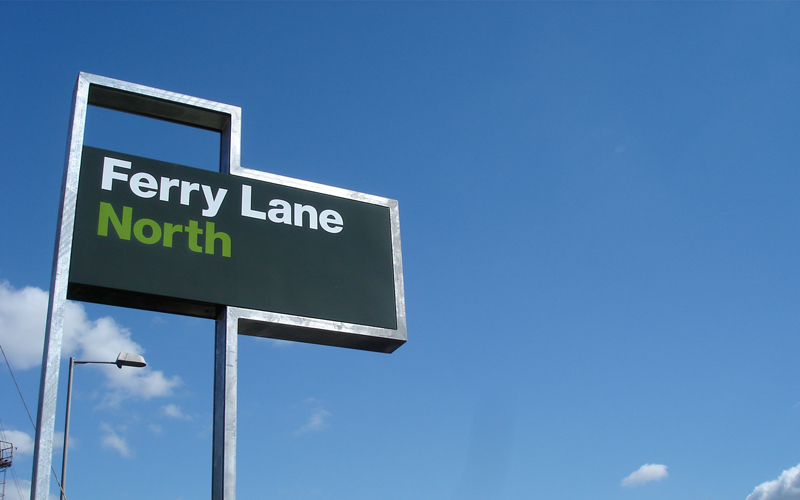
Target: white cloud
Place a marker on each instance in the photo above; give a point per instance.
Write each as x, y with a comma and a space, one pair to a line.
174, 411
317, 421
22, 441
645, 474
22, 324
786, 487
58, 440
112, 440
23, 492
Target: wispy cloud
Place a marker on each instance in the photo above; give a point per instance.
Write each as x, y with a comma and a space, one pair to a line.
58, 440
22, 323
317, 420
645, 474
786, 487
114, 441
174, 411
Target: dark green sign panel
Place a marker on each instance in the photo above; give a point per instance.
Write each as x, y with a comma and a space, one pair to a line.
167, 237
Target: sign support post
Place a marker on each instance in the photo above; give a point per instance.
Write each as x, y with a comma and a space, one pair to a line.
223, 481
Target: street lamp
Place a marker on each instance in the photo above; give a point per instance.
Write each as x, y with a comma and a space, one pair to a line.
124, 359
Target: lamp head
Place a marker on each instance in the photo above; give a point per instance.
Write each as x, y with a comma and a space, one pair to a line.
128, 359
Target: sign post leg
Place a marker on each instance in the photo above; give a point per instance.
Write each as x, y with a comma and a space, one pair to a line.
54, 329
223, 478
48, 390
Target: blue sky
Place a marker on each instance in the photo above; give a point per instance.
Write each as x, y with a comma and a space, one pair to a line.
599, 213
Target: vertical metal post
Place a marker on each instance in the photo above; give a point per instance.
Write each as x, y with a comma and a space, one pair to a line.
66, 430
226, 357
54, 331
223, 479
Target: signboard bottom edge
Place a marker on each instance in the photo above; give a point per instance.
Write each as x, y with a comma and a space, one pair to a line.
155, 303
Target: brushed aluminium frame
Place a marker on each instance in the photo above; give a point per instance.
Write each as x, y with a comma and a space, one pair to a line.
231, 321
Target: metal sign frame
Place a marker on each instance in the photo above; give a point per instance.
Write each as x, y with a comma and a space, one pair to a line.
230, 321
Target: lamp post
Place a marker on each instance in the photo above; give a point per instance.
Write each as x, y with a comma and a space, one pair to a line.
124, 359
